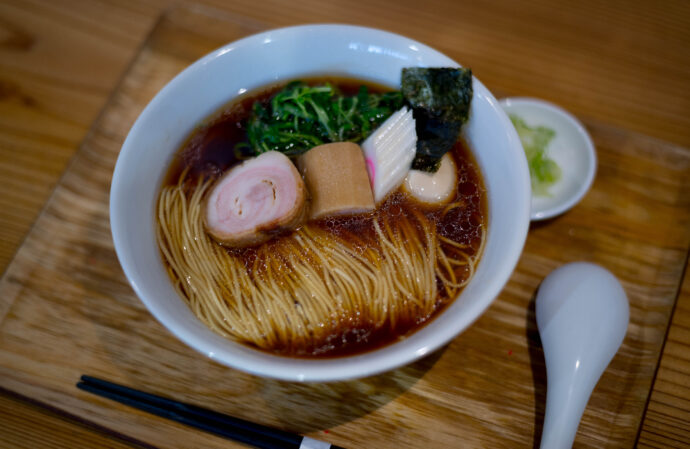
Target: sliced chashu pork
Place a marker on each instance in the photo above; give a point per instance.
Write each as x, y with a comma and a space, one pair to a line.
256, 200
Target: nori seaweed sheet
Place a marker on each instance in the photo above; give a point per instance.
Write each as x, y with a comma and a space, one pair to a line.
440, 99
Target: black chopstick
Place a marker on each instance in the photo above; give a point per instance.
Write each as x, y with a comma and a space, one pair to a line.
213, 422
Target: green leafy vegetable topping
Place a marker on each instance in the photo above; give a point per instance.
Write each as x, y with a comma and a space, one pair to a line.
544, 172
440, 99
300, 117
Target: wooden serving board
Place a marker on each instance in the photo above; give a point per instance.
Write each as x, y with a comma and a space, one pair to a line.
66, 308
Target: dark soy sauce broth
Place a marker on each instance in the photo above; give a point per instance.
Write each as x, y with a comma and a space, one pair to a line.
208, 152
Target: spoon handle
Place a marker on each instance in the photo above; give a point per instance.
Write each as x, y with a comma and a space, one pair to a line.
566, 400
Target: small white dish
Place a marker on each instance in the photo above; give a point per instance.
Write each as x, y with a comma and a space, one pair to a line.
571, 148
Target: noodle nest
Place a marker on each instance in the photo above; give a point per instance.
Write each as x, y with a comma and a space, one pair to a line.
300, 291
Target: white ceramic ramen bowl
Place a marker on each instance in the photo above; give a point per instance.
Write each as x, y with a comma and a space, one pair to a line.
290, 53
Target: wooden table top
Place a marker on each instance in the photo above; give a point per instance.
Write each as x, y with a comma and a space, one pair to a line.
623, 68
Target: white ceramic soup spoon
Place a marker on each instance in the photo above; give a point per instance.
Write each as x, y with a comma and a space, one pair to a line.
582, 315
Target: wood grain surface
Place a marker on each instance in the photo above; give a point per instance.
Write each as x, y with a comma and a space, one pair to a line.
610, 78
21, 429
667, 420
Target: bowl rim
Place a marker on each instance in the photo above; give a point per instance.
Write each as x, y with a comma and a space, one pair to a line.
328, 369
